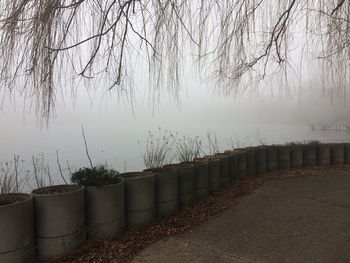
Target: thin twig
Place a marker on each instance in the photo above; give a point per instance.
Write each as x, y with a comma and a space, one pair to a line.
59, 167
36, 176
86, 147
68, 166
49, 174
15, 160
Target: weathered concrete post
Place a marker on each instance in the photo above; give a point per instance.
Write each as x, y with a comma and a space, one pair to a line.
260, 159
310, 154
17, 243
59, 219
105, 211
296, 155
242, 164
166, 187
139, 199
283, 157
337, 153
271, 158
323, 154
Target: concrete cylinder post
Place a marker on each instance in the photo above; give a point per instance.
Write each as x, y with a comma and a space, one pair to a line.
296, 155
251, 169
283, 152
105, 211
233, 165
323, 154
337, 153
166, 188
310, 154
346, 153
187, 184
271, 158
59, 220
201, 173
260, 159
213, 174
17, 242
242, 164
224, 169
139, 199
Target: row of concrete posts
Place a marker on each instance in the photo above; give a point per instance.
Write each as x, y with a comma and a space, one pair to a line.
53, 221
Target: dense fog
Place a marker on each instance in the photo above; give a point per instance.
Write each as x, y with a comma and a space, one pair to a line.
117, 131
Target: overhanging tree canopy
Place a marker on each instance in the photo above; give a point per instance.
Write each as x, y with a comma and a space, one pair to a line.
45, 42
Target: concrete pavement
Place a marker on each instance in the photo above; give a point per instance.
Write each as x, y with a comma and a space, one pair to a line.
295, 220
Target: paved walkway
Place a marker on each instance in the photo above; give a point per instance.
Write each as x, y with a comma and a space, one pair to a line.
295, 220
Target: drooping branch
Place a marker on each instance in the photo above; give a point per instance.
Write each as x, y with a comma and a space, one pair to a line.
339, 5
44, 43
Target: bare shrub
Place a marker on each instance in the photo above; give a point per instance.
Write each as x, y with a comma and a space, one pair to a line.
213, 145
158, 149
11, 177
41, 172
187, 149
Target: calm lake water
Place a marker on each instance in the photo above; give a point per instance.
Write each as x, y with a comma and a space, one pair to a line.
116, 133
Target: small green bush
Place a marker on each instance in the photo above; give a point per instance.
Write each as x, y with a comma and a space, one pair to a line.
96, 176
313, 142
294, 143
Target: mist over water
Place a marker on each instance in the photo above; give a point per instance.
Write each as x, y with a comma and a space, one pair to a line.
116, 132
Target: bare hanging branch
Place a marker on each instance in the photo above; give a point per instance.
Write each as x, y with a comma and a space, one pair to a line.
339, 5
45, 44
